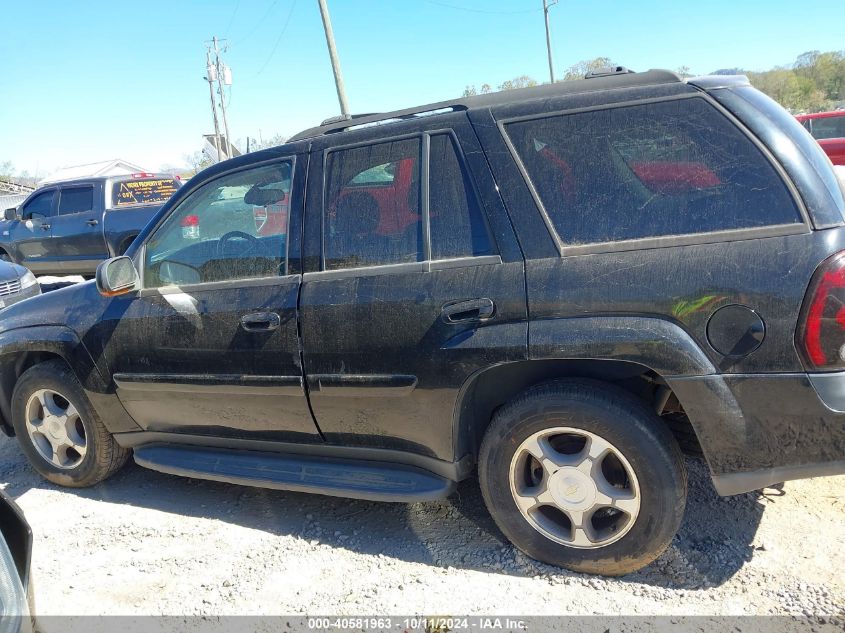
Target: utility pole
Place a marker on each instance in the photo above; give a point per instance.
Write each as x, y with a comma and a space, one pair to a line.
547, 4
338, 76
210, 76
220, 78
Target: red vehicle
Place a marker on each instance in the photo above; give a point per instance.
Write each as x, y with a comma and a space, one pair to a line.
828, 128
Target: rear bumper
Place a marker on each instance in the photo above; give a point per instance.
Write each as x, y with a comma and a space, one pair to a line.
761, 429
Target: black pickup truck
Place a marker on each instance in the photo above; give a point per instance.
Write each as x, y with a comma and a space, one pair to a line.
69, 227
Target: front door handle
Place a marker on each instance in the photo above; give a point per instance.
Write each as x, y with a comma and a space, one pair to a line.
260, 322
45, 227
471, 310
92, 222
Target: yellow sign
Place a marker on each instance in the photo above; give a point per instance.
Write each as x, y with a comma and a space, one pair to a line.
144, 191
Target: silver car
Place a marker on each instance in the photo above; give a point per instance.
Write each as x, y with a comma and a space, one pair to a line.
16, 284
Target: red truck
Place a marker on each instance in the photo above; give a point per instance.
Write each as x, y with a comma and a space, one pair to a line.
828, 128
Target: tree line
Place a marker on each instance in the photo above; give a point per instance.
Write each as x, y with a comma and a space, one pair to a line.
814, 82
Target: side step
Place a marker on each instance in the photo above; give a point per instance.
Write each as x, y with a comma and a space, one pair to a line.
337, 477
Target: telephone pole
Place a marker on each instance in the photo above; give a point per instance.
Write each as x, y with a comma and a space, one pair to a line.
220, 78
210, 76
338, 75
547, 4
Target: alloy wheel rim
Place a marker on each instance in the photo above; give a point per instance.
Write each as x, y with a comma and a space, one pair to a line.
574, 487
56, 429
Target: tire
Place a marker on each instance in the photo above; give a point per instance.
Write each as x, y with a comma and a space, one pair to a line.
642, 470
99, 456
4, 256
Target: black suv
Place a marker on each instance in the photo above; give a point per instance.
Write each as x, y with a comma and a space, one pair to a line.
557, 286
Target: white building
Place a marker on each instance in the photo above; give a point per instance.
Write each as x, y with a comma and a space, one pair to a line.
115, 167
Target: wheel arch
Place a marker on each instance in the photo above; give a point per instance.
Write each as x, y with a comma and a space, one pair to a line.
125, 244
26, 347
487, 390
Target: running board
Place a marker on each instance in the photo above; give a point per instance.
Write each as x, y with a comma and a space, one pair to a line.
337, 477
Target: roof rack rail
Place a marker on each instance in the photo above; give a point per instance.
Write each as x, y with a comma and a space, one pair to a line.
345, 117
605, 79
340, 123
608, 72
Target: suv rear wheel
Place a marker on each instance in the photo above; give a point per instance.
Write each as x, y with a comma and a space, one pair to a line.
584, 475
59, 431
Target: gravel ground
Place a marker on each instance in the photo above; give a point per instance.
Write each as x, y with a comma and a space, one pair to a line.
145, 543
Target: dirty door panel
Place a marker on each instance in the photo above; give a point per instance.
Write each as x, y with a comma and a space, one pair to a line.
395, 323
210, 345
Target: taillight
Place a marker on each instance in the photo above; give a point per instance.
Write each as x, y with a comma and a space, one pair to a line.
821, 331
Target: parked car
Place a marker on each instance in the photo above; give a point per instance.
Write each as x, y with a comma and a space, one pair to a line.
828, 128
16, 600
16, 284
69, 227
554, 288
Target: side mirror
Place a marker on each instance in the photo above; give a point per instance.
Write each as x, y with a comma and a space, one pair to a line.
10, 214
116, 276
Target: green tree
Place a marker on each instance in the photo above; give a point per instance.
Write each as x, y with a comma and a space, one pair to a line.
579, 70
272, 141
523, 81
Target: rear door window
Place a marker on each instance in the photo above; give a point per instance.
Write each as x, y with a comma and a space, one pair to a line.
127, 193
659, 169
372, 213
76, 200
458, 227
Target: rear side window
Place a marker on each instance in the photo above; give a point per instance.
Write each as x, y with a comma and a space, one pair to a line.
458, 228
76, 200
372, 212
666, 168
143, 191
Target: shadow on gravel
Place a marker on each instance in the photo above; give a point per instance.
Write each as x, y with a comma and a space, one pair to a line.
714, 542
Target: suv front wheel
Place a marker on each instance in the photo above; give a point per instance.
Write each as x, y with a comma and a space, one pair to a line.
59, 431
582, 474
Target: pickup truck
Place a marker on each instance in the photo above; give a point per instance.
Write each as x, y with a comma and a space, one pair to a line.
67, 228
828, 128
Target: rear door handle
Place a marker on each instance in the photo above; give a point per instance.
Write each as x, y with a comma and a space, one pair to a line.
260, 322
471, 310
92, 222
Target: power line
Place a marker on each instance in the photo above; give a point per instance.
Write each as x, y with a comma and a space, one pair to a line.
278, 39
473, 10
232, 19
257, 24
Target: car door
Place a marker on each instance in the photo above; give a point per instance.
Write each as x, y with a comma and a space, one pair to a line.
414, 282
77, 232
31, 234
209, 344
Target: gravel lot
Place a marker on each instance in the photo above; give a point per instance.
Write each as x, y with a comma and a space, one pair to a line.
145, 542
